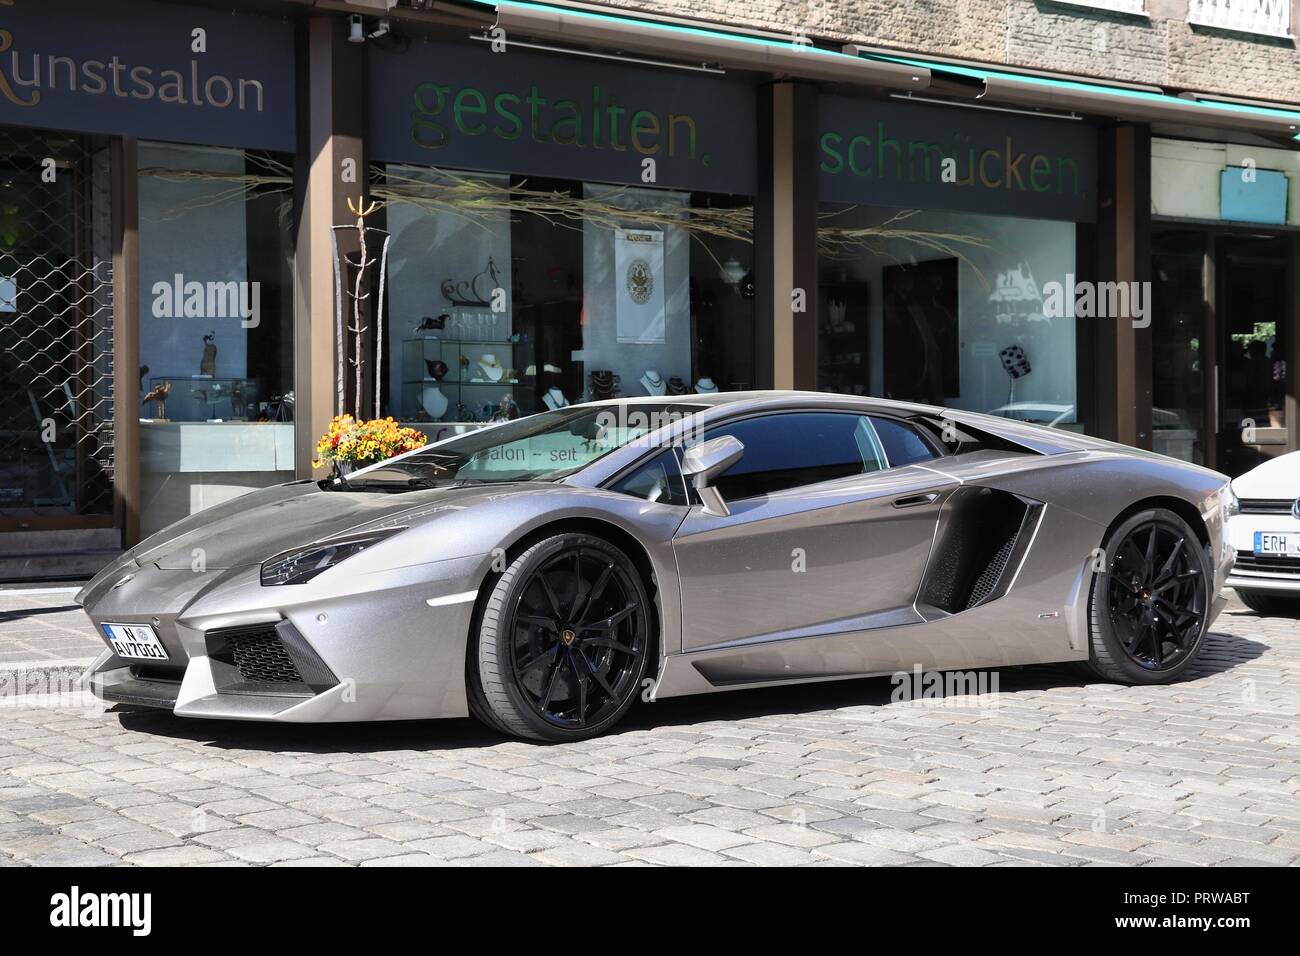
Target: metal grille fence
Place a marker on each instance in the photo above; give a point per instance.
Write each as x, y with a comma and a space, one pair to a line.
56, 326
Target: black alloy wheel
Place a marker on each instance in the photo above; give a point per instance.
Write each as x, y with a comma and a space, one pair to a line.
579, 637
1157, 595
564, 640
1151, 604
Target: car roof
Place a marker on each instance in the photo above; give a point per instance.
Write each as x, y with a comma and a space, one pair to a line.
769, 398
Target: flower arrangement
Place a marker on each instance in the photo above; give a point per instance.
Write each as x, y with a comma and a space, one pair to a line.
349, 443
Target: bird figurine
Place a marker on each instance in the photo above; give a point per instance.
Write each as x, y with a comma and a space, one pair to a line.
158, 395
208, 363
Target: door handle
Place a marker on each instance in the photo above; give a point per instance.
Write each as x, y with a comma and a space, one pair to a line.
911, 501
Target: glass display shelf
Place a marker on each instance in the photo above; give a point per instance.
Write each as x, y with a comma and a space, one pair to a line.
467, 383
203, 398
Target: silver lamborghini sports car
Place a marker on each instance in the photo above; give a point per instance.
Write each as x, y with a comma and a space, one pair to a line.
545, 573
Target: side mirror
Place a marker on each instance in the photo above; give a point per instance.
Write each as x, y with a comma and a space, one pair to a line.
705, 462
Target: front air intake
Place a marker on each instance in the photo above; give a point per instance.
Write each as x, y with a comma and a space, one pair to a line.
261, 658
982, 537
271, 658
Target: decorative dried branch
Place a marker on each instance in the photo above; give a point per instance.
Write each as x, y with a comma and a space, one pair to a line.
845, 242
270, 176
485, 203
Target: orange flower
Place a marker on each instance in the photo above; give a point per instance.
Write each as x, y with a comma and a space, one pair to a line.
364, 442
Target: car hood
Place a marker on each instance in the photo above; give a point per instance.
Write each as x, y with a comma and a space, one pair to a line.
1276, 478
249, 529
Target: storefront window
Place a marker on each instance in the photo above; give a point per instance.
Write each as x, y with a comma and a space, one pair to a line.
956, 309
511, 295
216, 326
56, 329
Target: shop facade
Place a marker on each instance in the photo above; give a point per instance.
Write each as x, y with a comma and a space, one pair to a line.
557, 233
147, 174
936, 283
609, 206
1225, 245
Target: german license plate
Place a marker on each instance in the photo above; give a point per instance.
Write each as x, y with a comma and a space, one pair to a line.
1277, 543
136, 642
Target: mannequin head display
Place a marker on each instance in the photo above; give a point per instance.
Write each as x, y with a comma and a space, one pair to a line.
705, 386
433, 401
489, 368
602, 384
653, 382
553, 398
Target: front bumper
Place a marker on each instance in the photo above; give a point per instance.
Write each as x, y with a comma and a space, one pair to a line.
1251, 572
362, 647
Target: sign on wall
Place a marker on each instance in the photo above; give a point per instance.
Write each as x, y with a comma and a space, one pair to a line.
153, 70
1249, 194
931, 157
462, 106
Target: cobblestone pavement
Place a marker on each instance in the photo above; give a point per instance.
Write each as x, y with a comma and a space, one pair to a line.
42, 625
1050, 770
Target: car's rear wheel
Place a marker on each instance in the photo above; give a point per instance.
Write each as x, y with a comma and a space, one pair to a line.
1149, 607
563, 641
1270, 604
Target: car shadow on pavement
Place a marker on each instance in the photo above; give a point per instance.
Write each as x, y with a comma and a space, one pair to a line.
1222, 652
7, 617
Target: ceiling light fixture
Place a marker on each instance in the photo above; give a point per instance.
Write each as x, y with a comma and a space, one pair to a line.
982, 106
593, 54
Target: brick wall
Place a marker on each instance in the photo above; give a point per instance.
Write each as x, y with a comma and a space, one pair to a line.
1162, 49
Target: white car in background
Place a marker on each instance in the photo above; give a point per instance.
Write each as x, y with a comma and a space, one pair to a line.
1264, 531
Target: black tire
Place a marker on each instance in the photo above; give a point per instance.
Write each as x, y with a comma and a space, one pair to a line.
1270, 605
1149, 608
563, 641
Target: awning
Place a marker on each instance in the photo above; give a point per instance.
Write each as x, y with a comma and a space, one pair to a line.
1141, 105
682, 41
692, 42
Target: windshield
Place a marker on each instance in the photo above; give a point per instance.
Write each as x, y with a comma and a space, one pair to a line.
540, 447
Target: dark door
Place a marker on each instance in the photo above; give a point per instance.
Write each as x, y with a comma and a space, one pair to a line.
1181, 265
1252, 310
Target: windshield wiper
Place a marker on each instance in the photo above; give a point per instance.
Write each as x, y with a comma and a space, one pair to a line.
397, 484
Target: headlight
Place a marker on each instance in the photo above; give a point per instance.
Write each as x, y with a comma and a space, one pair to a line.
1228, 503
302, 564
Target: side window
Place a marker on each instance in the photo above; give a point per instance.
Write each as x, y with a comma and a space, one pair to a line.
660, 479
903, 446
797, 448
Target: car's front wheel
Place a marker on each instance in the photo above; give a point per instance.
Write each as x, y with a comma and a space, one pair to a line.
1150, 604
1270, 605
563, 641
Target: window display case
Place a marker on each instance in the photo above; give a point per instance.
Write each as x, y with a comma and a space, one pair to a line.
613, 291
456, 380
205, 398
